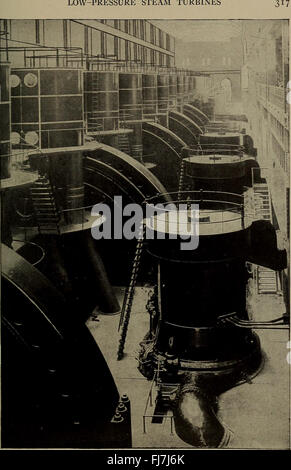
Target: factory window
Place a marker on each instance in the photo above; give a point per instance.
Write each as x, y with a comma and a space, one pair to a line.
135, 28
122, 49
4, 27
94, 42
25, 31
142, 29
134, 49
147, 30
161, 39
39, 35
203, 61
127, 50
152, 34
53, 33
110, 23
103, 45
168, 42
76, 35
110, 45
116, 47
122, 25
130, 27
229, 61
65, 33
142, 54
208, 61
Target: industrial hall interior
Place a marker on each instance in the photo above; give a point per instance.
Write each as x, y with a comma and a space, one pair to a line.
115, 334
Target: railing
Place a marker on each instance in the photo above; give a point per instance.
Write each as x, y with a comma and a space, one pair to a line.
227, 207
83, 216
50, 57
149, 404
19, 160
105, 64
34, 253
276, 96
95, 123
273, 94
218, 149
53, 57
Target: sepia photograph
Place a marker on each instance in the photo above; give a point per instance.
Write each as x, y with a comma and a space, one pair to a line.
145, 235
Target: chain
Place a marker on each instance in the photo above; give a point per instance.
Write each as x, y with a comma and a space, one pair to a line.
129, 293
181, 179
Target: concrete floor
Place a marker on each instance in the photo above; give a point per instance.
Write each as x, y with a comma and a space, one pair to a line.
257, 413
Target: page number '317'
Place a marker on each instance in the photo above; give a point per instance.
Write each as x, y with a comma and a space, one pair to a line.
282, 3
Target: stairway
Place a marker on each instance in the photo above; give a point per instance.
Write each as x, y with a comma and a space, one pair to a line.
267, 279
124, 144
263, 207
44, 206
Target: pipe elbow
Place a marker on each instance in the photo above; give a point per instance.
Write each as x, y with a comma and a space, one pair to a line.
196, 421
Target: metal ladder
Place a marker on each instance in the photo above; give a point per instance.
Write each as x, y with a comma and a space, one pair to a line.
92, 118
44, 206
267, 279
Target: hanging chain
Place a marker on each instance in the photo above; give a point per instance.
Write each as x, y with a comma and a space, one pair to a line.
181, 179
129, 293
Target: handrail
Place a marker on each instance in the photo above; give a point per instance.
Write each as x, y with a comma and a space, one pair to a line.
279, 323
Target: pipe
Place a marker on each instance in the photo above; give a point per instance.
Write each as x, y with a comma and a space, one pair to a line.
108, 302
195, 418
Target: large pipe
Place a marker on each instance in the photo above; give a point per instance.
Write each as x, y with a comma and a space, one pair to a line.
195, 417
108, 302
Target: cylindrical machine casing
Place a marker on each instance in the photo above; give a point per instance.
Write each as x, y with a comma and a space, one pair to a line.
65, 170
136, 141
101, 94
172, 91
47, 108
186, 80
163, 99
216, 172
130, 97
163, 94
180, 92
188, 322
229, 138
5, 127
149, 95
208, 108
192, 87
